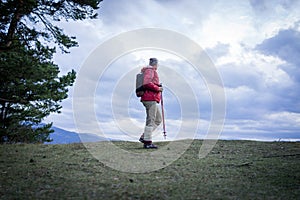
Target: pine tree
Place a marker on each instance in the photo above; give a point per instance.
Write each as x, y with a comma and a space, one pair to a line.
30, 86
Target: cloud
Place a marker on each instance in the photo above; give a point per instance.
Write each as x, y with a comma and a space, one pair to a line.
261, 6
270, 127
285, 45
126, 15
218, 51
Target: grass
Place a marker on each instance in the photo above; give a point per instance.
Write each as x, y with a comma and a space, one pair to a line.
232, 170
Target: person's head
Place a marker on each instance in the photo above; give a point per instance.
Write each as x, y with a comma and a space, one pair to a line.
153, 62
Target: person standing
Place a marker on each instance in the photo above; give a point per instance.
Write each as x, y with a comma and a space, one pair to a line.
150, 99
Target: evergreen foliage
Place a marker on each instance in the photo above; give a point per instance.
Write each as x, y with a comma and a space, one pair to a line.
30, 85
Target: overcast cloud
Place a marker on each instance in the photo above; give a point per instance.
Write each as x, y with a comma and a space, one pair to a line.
255, 45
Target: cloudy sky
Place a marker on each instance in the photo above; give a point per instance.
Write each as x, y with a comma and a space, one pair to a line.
253, 44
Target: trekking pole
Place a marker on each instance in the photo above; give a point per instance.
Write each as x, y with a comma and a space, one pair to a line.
163, 116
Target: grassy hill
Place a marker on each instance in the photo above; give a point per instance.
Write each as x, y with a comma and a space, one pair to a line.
232, 170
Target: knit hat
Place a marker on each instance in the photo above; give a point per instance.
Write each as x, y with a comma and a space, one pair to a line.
153, 61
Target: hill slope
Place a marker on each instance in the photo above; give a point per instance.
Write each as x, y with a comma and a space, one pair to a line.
232, 170
61, 136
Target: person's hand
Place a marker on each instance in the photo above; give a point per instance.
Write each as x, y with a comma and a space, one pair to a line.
160, 89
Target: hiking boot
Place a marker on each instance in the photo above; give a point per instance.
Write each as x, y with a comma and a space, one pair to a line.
142, 140
150, 146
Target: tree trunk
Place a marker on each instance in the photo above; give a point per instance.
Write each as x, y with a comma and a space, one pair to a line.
14, 23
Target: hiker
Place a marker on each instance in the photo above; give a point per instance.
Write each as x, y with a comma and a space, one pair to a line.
150, 99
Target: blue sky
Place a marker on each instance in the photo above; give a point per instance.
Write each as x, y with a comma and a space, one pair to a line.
255, 46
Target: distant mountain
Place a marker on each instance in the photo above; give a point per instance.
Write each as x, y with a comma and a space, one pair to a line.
61, 136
